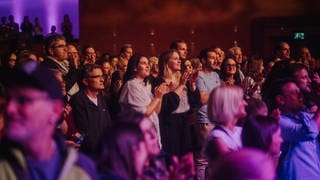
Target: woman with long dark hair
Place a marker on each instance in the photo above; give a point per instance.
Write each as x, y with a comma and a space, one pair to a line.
136, 93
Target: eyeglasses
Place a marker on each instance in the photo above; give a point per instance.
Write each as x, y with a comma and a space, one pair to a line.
96, 76
60, 46
24, 100
231, 65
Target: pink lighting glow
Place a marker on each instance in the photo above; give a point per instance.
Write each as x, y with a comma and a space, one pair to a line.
50, 12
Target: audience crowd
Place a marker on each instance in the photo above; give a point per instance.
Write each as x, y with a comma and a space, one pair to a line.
81, 114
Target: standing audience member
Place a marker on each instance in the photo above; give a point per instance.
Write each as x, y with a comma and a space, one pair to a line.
107, 72
13, 28
196, 64
181, 47
229, 74
57, 54
32, 149
66, 28
305, 57
300, 150
126, 52
89, 106
38, 30
282, 51
89, 55
154, 67
176, 105
136, 93
57, 58
221, 57
225, 107
236, 54
73, 56
4, 29
52, 31
252, 83
207, 81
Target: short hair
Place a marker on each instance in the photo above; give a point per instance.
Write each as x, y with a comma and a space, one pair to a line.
125, 47
275, 90
87, 47
224, 103
88, 68
204, 53
279, 45
232, 51
174, 44
153, 60
257, 132
51, 41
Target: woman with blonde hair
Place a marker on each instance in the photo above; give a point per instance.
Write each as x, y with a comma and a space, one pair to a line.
225, 107
176, 105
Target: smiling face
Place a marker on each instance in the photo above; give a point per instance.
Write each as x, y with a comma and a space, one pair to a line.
143, 68
174, 62
230, 66
30, 113
212, 59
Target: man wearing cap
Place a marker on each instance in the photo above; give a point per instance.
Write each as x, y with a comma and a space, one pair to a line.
32, 149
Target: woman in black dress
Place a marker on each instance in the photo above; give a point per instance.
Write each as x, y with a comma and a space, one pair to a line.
176, 105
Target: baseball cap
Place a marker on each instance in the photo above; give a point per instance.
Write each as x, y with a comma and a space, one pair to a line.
37, 76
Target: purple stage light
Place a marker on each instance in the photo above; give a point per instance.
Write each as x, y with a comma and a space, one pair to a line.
50, 12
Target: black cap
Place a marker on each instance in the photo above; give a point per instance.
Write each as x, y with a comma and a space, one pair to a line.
38, 76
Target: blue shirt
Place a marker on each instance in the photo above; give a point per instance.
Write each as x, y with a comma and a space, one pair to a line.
206, 83
48, 169
300, 158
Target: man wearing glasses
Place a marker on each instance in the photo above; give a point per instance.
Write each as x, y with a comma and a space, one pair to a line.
32, 147
57, 58
89, 107
57, 54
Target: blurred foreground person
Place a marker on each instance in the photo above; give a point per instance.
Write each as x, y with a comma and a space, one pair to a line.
31, 148
122, 153
243, 165
159, 165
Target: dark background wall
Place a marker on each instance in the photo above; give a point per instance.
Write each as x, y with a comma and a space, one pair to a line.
150, 25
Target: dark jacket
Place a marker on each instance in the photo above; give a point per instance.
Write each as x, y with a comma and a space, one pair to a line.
90, 120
